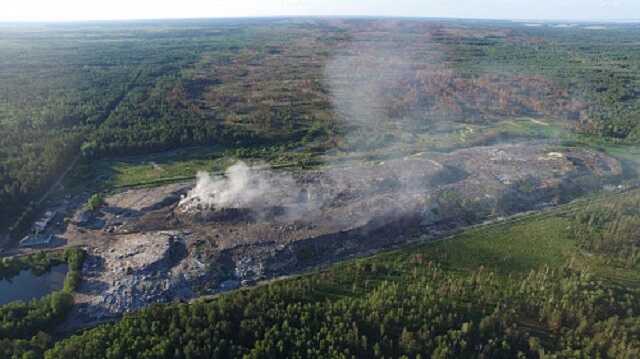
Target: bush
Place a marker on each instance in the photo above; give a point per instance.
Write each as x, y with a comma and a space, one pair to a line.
95, 202
75, 258
72, 281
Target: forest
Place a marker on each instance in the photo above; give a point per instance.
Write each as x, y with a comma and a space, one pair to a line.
85, 101
76, 93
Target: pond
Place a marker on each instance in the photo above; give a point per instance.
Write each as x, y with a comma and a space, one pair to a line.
26, 286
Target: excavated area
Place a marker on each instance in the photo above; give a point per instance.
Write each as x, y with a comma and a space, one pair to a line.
153, 250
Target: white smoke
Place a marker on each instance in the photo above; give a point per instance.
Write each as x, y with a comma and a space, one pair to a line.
241, 186
359, 79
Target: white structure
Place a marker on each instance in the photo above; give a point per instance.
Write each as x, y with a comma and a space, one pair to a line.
36, 241
43, 222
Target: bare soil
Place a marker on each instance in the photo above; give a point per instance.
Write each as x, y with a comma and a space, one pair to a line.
149, 250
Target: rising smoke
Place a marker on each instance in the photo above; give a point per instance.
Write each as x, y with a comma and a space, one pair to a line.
241, 186
384, 94
361, 79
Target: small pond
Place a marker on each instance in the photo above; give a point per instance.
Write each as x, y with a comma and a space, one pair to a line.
26, 286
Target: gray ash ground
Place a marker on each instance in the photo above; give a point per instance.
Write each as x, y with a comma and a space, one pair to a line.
151, 250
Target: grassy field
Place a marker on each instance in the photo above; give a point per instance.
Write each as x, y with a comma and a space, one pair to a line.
139, 170
183, 164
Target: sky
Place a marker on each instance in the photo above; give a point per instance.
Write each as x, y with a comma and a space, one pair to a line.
74, 10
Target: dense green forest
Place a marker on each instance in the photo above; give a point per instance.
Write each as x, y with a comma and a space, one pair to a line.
85, 91
539, 286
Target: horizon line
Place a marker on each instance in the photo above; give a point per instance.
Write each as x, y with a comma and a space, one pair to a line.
347, 16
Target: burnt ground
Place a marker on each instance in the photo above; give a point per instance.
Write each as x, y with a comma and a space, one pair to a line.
145, 248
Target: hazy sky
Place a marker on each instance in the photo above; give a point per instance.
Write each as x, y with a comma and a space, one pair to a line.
62, 10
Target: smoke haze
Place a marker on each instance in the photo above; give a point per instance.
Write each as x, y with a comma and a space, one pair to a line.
385, 96
362, 79
242, 186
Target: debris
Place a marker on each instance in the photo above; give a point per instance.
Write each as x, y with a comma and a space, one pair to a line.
166, 252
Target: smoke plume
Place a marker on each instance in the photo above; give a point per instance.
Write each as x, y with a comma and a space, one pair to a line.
392, 99
362, 79
241, 186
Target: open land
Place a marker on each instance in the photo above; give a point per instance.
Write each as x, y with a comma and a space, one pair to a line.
193, 158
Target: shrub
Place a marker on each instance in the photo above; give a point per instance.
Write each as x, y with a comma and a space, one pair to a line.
95, 202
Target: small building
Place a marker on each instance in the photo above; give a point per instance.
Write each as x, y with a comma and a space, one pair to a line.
36, 240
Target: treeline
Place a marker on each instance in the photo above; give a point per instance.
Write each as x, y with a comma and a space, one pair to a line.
429, 313
22, 320
31, 162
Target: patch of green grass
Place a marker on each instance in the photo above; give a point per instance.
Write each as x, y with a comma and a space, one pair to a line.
180, 165
536, 128
122, 173
142, 169
629, 153
507, 248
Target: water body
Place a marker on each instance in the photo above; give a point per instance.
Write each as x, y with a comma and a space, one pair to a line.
26, 286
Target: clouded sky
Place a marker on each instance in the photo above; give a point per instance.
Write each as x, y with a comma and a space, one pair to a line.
62, 10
